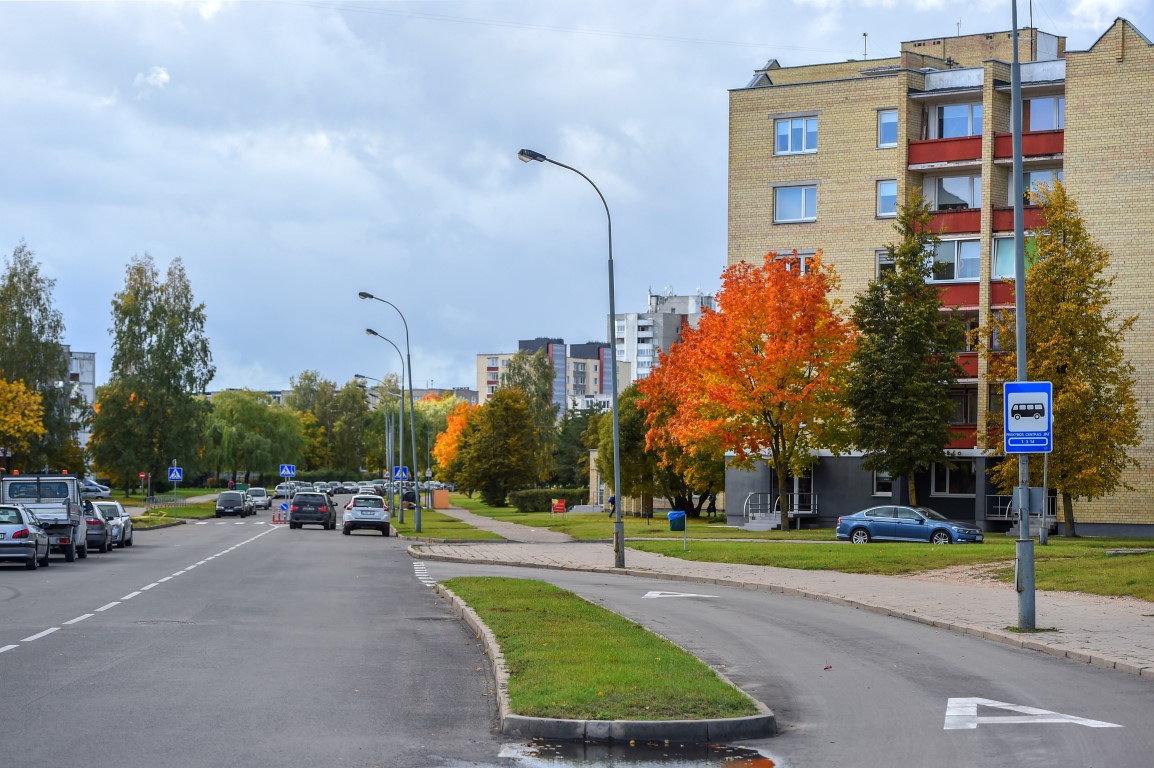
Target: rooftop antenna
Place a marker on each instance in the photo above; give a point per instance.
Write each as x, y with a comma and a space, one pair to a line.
865, 45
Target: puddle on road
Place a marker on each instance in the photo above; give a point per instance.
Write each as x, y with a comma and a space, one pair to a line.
650, 754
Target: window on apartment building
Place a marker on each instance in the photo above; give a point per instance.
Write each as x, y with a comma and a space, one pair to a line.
1045, 114
491, 362
970, 326
492, 388
956, 120
1003, 267
965, 400
956, 480
1032, 180
957, 192
887, 198
883, 484
794, 204
885, 261
795, 135
956, 260
800, 259
887, 127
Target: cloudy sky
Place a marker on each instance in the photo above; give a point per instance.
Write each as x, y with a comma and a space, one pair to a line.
295, 153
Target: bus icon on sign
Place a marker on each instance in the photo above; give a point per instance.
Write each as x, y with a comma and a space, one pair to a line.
1027, 410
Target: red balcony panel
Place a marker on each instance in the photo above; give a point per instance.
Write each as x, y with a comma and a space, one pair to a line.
492, 368
1001, 294
959, 294
953, 222
964, 437
1004, 218
1034, 143
945, 150
969, 363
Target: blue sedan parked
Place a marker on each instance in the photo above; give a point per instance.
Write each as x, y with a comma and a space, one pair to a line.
897, 523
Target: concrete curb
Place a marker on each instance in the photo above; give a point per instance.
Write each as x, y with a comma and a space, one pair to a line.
701, 731
172, 524
1028, 641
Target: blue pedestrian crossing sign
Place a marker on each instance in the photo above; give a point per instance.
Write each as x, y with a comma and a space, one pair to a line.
288, 470
1027, 416
175, 474
400, 473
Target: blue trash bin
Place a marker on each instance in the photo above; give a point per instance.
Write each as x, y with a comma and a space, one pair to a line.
676, 520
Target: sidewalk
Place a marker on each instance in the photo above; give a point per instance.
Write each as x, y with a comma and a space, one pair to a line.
1117, 633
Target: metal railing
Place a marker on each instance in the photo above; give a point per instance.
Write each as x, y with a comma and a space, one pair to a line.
165, 501
759, 506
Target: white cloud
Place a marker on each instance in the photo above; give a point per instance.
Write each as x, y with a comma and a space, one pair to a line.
156, 77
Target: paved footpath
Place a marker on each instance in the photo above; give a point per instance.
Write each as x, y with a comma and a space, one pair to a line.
1117, 633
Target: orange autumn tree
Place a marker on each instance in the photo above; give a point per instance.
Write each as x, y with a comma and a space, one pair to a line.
763, 377
447, 447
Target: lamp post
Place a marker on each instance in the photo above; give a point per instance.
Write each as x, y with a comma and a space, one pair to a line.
529, 155
412, 411
412, 416
390, 446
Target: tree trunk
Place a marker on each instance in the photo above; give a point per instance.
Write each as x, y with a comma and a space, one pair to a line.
1068, 515
783, 494
910, 486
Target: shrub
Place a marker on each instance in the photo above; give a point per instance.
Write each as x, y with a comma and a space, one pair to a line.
541, 499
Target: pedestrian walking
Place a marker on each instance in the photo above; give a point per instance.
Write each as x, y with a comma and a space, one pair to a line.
612, 506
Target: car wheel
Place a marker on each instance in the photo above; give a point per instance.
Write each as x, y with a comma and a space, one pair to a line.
44, 562
860, 536
385, 531
347, 531
32, 564
82, 552
129, 542
218, 515
70, 553
940, 537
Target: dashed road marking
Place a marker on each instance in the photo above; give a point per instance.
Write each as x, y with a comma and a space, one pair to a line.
39, 635
106, 606
7, 648
166, 578
130, 595
422, 574
148, 587
79, 619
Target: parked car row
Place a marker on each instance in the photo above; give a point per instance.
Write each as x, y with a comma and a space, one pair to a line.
25, 537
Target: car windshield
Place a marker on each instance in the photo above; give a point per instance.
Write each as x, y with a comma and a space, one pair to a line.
931, 514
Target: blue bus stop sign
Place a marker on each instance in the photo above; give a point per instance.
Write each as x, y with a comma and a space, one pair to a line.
1027, 416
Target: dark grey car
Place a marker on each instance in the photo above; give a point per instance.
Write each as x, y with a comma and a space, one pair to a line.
99, 530
312, 508
233, 503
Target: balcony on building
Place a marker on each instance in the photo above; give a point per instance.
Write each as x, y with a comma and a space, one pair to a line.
1004, 218
950, 221
1035, 144
932, 153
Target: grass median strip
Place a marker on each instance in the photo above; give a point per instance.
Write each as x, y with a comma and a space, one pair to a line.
435, 525
568, 658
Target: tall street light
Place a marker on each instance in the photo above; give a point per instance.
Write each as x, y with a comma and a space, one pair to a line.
412, 433
528, 155
391, 442
412, 412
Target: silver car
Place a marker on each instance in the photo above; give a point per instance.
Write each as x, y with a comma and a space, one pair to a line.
260, 498
366, 510
121, 522
99, 532
22, 538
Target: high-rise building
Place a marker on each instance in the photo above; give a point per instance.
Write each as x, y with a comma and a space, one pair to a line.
640, 337
821, 155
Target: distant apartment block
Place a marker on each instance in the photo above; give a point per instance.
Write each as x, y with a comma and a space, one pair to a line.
581, 372
82, 379
640, 337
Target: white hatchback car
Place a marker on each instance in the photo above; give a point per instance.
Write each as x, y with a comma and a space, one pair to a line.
366, 510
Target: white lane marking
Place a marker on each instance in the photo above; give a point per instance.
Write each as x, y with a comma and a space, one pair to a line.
673, 594
166, 578
39, 635
962, 714
7, 648
130, 595
190, 567
178, 573
422, 574
150, 586
242, 523
79, 619
106, 606
261, 522
201, 523
202, 562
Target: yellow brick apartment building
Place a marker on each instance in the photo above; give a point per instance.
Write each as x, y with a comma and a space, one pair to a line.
821, 155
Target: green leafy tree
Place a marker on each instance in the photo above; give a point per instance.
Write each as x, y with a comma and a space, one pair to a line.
21, 414
32, 350
571, 455
315, 397
1075, 340
384, 415
497, 454
899, 380
152, 410
248, 432
351, 416
533, 374
640, 476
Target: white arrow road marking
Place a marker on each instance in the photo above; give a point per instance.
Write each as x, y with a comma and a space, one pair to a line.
673, 594
963, 714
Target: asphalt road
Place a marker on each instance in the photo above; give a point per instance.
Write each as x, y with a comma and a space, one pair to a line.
852, 688
238, 644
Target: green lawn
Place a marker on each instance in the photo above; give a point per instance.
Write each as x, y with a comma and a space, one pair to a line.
435, 525
568, 658
1076, 565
